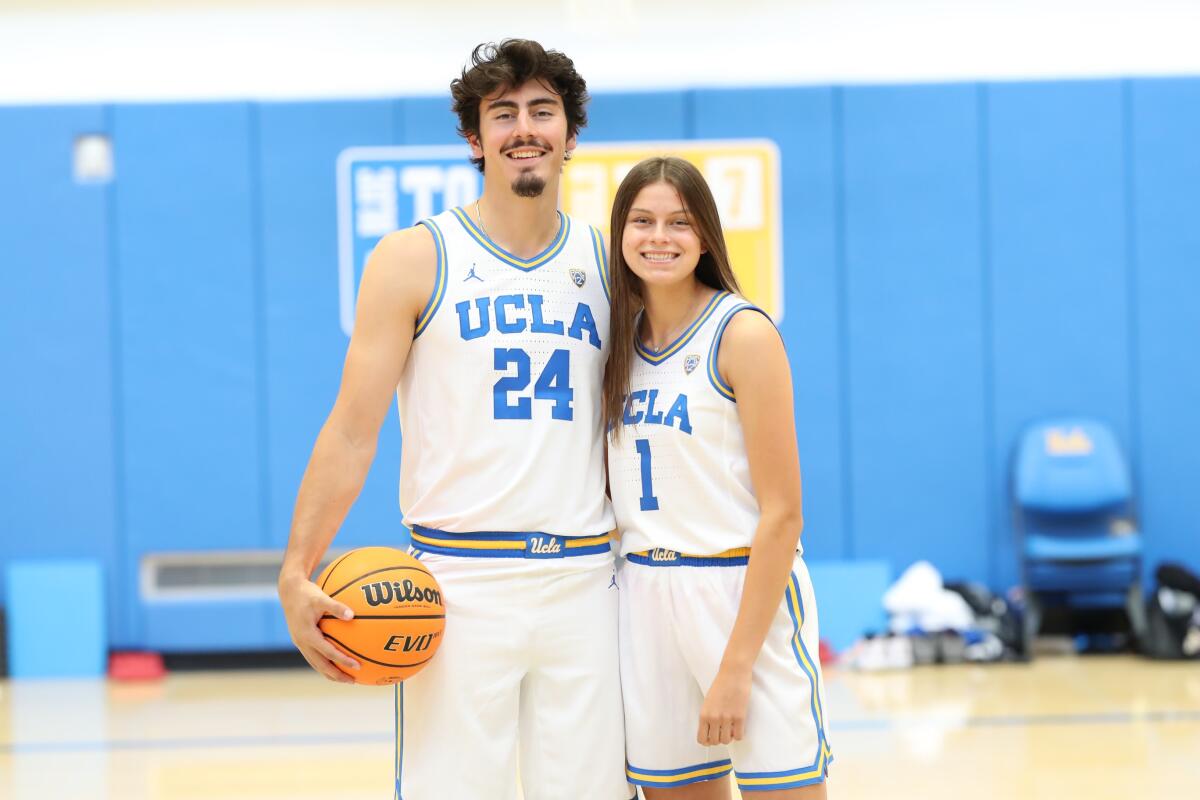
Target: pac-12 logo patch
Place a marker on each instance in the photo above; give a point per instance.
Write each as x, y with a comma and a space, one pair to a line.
578, 277
690, 363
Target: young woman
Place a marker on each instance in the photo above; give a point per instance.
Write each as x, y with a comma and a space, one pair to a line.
718, 626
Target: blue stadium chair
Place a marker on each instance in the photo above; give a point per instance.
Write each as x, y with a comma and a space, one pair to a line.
1073, 511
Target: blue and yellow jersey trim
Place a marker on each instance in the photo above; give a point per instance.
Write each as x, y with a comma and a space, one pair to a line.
439, 283
795, 607
601, 261
817, 770
677, 777
685, 337
714, 375
555, 247
661, 557
786, 779
506, 544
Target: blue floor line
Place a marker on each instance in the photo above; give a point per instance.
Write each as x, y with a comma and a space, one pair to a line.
290, 740
386, 737
1032, 720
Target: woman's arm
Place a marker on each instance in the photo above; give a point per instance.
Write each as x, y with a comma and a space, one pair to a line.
752, 360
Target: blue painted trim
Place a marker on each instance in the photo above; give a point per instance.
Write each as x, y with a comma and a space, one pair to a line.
124, 563
262, 386
841, 271
1133, 297
997, 533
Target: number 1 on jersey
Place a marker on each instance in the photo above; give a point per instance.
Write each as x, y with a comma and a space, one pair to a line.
648, 501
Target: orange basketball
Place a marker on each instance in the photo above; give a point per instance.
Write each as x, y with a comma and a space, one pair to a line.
398, 613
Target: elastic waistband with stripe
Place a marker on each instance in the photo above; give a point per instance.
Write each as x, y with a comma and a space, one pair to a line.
661, 557
499, 544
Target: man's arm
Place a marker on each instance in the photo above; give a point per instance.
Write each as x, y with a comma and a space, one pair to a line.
396, 284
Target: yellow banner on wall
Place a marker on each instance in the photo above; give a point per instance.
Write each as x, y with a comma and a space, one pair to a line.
744, 178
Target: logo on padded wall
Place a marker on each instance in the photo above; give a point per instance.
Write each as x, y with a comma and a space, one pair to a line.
1068, 442
382, 189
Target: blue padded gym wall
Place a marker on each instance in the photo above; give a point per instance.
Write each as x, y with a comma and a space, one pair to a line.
959, 260
1059, 266
1165, 198
638, 116
914, 306
185, 230
297, 148
802, 123
427, 120
58, 462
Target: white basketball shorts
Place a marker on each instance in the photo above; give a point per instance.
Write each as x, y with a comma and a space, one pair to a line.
676, 614
527, 673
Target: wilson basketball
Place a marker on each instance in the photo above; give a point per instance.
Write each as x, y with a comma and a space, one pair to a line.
398, 613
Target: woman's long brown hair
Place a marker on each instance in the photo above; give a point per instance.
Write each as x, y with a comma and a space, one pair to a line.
626, 290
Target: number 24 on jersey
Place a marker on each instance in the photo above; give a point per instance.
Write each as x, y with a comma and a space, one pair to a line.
553, 385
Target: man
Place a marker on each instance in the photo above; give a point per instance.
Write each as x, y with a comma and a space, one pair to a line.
490, 323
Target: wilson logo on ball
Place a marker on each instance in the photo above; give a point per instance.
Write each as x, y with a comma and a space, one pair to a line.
398, 615
382, 593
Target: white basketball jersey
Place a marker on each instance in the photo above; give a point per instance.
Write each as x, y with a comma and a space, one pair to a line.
500, 398
678, 471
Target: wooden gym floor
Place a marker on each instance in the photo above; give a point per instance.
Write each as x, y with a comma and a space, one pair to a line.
1096, 728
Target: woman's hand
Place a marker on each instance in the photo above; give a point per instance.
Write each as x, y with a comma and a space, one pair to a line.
723, 715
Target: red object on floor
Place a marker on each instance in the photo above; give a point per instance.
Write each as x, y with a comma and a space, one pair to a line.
828, 654
136, 667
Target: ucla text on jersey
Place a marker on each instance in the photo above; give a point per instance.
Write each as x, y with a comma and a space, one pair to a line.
500, 400
678, 470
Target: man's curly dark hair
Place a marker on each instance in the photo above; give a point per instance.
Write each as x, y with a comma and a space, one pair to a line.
508, 65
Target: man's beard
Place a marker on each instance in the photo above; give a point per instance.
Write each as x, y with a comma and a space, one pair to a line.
529, 185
